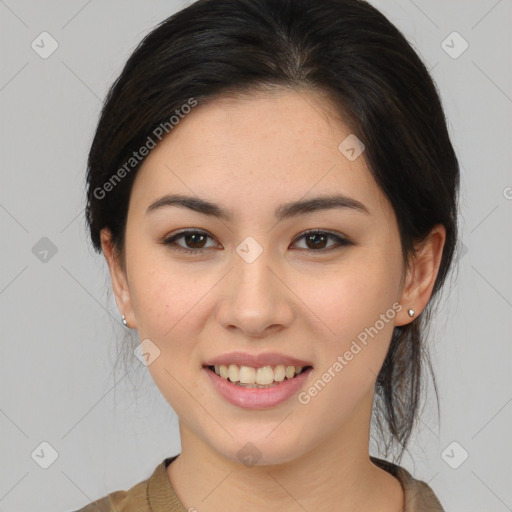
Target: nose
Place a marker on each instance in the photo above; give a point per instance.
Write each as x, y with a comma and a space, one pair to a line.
256, 300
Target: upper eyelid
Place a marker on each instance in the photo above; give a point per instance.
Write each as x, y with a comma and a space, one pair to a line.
176, 236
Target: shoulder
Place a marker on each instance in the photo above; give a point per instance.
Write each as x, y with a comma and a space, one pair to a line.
419, 497
100, 505
134, 499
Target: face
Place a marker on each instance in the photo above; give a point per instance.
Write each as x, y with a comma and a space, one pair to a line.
263, 286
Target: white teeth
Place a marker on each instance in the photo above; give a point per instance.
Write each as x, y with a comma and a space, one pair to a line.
279, 373
264, 376
289, 372
233, 373
223, 371
247, 375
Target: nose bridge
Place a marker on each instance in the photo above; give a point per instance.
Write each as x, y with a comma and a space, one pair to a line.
257, 299
253, 275
253, 279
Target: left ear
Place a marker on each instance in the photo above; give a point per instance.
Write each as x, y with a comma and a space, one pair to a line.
421, 275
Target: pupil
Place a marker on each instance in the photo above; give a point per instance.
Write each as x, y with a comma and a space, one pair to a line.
311, 238
192, 236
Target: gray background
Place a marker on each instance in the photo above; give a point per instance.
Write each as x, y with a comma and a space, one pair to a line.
60, 329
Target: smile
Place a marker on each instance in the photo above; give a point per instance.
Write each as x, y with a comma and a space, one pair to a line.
262, 377
252, 395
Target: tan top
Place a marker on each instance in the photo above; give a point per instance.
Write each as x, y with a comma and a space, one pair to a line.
157, 495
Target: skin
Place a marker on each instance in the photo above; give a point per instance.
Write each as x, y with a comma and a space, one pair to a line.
250, 155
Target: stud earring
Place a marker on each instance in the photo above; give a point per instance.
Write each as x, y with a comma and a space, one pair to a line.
411, 312
125, 323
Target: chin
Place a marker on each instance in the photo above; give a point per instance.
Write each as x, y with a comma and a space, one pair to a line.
252, 448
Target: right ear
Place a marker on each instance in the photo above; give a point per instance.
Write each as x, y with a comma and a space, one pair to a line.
118, 277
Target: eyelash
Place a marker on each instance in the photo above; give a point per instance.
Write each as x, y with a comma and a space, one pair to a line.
171, 241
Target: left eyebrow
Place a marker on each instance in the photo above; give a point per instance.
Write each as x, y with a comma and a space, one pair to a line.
282, 212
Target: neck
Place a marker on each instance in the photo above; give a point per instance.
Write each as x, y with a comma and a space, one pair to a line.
336, 475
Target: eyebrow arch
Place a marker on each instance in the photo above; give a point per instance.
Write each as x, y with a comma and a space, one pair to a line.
282, 212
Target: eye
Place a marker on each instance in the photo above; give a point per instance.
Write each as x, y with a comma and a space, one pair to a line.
195, 241
316, 239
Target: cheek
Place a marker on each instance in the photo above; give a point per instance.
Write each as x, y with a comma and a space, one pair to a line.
167, 306
361, 314
357, 305
164, 296
352, 297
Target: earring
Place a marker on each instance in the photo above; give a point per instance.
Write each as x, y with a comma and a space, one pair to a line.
411, 312
123, 319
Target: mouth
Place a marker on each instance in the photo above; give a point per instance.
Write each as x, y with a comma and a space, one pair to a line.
257, 377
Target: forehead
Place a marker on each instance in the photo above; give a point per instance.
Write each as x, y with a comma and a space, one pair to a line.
259, 147
283, 123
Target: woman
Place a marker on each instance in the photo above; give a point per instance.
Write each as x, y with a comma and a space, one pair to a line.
275, 192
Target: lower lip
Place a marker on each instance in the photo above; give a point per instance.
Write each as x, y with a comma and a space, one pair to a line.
257, 398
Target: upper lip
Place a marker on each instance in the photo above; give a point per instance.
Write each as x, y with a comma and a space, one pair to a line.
256, 360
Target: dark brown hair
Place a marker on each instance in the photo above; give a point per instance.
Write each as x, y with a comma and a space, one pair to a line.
345, 49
